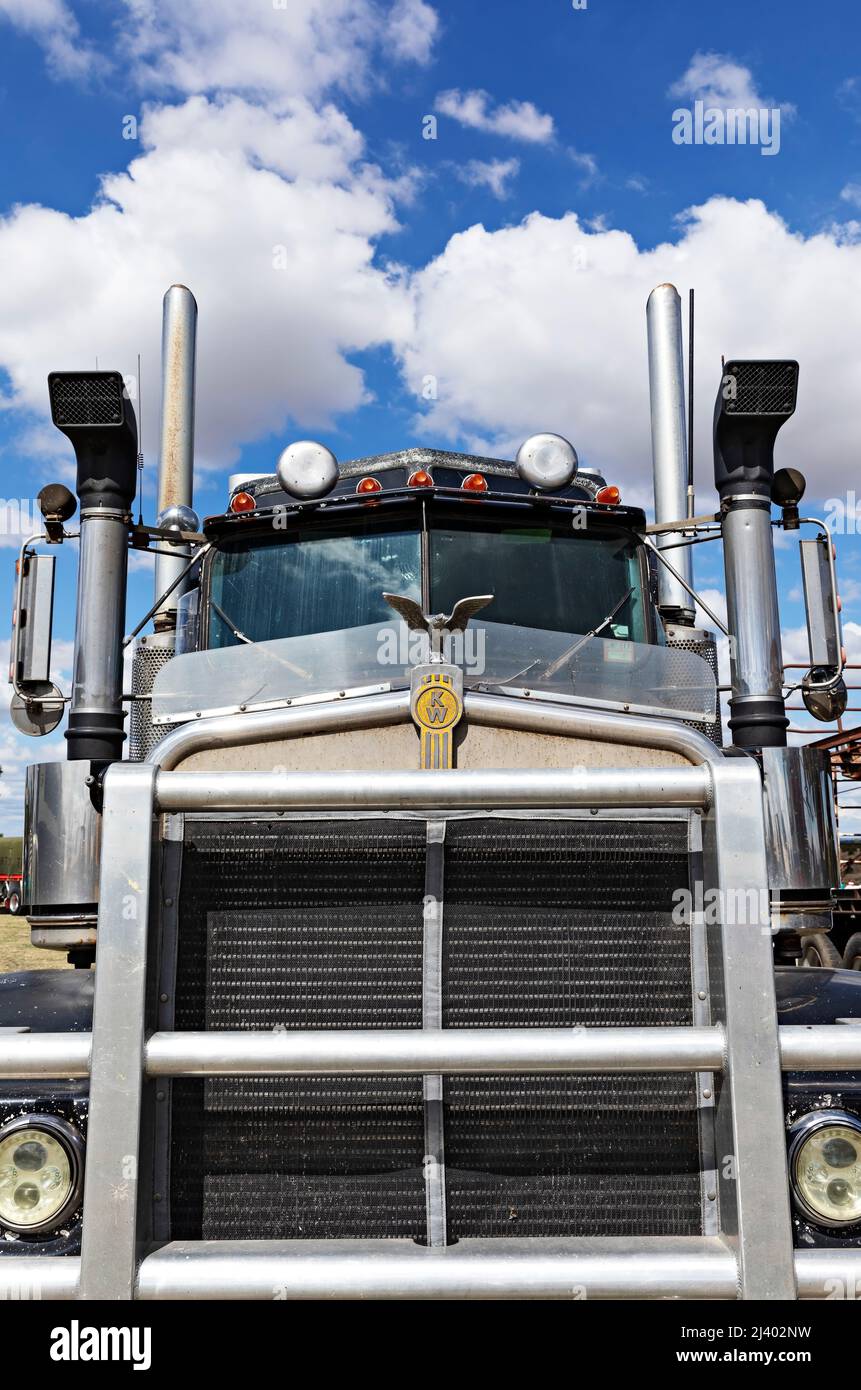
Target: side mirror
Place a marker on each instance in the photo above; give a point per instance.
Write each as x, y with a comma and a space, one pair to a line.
823, 688
37, 705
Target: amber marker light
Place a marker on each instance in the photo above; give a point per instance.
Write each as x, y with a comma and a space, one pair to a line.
608, 496
474, 482
242, 502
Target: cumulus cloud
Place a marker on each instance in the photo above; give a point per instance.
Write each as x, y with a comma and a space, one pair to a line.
517, 120
493, 174
718, 80
542, 326
272, 218
269, 47
54, 27
412, 29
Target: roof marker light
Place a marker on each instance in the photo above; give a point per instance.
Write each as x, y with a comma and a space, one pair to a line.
369, 485
474, 482
421, 478
242, 502
608, 496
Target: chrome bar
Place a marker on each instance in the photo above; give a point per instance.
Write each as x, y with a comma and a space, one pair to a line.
660, 1268
832, 1274
749, 1118
32, 1055
824, 1047
666, 1267
416, 1051
109, 1233
437, 791
369, 712
821, 1047
38, 1278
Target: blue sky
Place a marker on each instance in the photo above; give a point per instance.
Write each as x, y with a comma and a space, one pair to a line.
507, 260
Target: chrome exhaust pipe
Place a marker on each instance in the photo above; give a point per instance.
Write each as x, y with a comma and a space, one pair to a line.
669, 445
176, 457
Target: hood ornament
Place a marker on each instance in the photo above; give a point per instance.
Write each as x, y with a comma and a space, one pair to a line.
437, 625
436, 687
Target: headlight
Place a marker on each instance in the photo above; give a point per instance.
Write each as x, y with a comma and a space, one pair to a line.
41, 1172
825, 1167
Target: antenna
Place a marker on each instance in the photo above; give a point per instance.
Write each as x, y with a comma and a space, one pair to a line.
691, 403
140, 446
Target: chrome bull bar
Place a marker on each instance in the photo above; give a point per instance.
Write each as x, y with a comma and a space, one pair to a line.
752, 1257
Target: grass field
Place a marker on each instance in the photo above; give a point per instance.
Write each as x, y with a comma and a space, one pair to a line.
16, 953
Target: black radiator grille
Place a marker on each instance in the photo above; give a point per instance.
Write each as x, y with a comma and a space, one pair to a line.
319, 925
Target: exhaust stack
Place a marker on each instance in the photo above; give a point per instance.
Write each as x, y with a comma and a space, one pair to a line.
669, 445
753, 401
93, 410
176, 459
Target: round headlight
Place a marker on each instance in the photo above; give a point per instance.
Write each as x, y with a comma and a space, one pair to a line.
307, 469
825, 1167
546, 461
41, 1171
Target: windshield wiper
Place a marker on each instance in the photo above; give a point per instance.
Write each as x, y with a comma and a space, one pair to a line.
240, 636
581, 641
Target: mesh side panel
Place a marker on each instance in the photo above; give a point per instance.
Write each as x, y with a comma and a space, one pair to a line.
309, 939
568, 1155
151, 656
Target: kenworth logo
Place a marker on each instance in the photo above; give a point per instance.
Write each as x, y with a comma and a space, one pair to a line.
76, 1343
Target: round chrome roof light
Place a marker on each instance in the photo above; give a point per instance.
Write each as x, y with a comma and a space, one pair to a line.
307, 469
178, 518
825, 1167
41, 1173
546, 461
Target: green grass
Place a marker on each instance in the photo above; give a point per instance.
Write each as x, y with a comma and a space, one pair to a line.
16, 953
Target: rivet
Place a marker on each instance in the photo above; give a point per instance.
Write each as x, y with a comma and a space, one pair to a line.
163, 998
701, 994
712, 1196
159, 1095
707, 1095
243, 708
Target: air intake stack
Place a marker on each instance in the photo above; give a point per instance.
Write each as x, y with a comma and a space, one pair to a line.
754, 400
93, 410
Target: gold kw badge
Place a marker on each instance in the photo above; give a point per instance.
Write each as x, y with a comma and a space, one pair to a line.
436, 704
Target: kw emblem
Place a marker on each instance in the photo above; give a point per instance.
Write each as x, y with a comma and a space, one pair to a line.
436, 703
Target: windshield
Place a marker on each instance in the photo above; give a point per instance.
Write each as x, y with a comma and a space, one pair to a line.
324, 582
330, 581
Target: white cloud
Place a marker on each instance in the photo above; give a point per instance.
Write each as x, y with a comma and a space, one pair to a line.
518, 120
851, 193
264, 48
272, 220
542, 326
493, 174
718, 80
587, 163
54, 27
412, 29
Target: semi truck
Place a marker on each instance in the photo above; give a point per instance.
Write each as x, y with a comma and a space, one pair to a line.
436, 936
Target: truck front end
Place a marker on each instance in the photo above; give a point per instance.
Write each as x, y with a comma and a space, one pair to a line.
442, 949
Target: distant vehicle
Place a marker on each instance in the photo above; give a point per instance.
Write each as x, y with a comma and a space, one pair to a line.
11, 886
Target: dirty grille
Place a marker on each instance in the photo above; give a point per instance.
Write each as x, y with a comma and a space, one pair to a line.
318, 924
